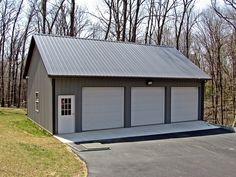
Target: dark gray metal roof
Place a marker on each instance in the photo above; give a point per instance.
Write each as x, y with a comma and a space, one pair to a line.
65, 56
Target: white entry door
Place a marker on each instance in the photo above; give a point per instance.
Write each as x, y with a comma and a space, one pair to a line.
66, 114
102, 108
184, 104
147, 105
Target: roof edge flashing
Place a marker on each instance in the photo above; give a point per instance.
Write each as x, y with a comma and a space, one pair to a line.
100, 40
141, 77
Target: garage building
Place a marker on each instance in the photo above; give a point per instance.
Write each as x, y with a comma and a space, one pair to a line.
76, 85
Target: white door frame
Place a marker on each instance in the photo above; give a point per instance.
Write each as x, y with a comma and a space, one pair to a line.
66, 122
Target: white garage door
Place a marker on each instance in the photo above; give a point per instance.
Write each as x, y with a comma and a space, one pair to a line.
184, 104
147, 105
102, 107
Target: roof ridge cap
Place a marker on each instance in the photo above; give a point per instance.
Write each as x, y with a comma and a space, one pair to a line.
100, 40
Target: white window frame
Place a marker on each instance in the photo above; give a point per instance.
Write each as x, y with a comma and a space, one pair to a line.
67, 110
37, 101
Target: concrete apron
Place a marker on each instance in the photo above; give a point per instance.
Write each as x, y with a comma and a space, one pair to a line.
141, 131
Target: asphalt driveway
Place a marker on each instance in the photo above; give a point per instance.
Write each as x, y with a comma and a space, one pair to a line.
205, 156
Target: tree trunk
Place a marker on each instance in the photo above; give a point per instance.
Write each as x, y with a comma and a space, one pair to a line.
124, 20
233, 53
130, 20
110, 17
44, 15
135, 24
72, 18
2, 68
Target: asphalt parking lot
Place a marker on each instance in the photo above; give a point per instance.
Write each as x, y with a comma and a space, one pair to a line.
200, 156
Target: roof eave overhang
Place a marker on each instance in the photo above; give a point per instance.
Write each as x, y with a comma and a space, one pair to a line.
117, 76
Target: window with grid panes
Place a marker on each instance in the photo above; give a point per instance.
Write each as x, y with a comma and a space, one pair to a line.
37, 101
65, 106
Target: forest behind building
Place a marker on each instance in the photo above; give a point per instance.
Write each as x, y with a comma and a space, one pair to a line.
206, 36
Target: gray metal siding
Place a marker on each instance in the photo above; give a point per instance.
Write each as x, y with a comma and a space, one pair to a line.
69, 87
65, 56
73, 86
39, 81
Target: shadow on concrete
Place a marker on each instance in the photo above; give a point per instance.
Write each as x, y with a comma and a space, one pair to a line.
197, 133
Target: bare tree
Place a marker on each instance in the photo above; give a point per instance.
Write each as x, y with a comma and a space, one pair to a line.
55, 16
179, 18
24, 42
191, 20
121, 14
7, 10
12, 43
162, 16
212, 35
229, 15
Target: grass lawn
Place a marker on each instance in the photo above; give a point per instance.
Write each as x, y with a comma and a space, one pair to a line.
27, 150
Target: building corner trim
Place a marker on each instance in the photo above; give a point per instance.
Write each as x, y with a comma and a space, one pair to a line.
54, 126
201, 100
167, 104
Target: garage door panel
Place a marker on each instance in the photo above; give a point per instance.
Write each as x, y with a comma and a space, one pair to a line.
184, 104
102, 107
147, 105
100, 123
99, 107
